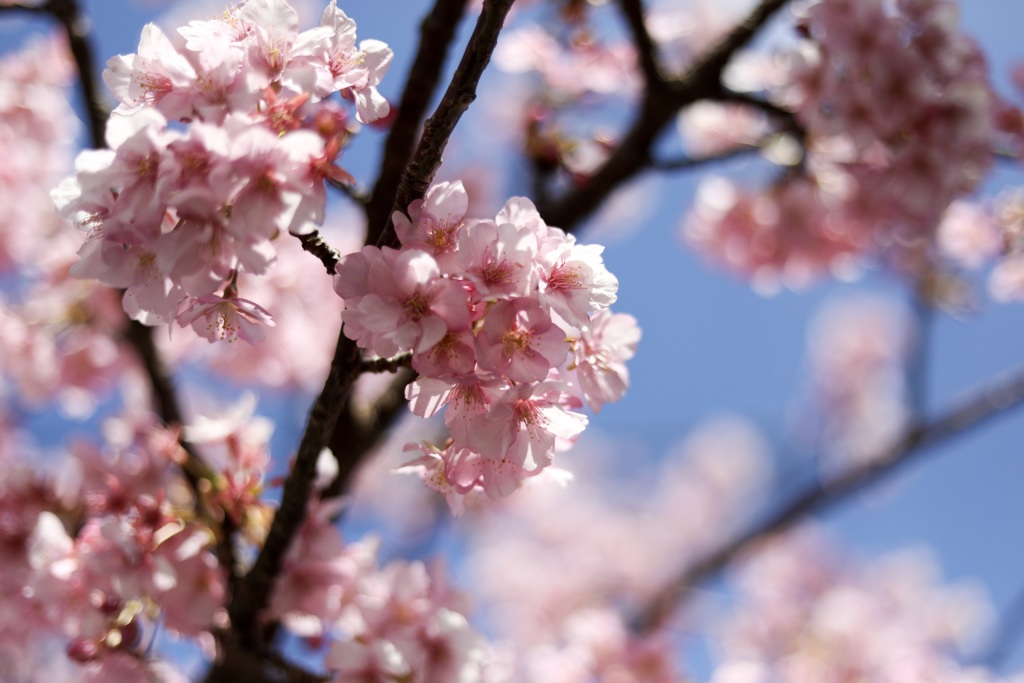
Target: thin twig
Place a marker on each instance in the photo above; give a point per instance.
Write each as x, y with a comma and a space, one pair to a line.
21, 7
315, 244
767, 106
353, 192
920, 353
985, 404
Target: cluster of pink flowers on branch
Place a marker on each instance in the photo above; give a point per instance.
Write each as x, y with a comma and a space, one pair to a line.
397, 622
508, 325
900, 120
100, 553
175, 212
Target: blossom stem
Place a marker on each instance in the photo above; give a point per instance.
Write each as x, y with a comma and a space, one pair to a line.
997, 399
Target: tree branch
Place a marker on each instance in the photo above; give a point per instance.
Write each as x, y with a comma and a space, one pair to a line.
387, 364
987, 403
702, 81
69, 14
254, 589
315, 244
354, 435
456, 100
22, 7
647, 51
140, 337
356, 194
364, 429
436, 34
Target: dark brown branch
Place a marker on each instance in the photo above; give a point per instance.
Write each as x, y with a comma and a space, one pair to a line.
254, 589
356, 433
69, 14
314, 243
456, 100
387, 364
918, 437
364, 429
647, 51
166, 400
436, 34
702, 81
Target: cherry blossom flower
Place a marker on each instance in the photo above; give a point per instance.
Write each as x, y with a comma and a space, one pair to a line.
601, 352
434, 221
519, 340
226, 319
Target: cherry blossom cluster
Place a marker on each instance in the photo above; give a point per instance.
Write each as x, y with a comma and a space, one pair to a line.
579, 69
784, 235
97, 554
551, 553
58, 336
973, 236
858, 350
296, 349
808, 614
37, 132
900, 120
508, 325
399, 622
222, 141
